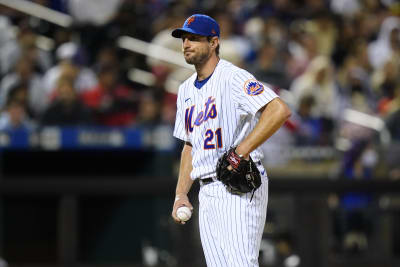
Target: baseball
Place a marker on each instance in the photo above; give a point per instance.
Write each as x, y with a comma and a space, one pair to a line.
183, 213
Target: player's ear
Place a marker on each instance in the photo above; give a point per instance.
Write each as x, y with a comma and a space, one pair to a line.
214, 42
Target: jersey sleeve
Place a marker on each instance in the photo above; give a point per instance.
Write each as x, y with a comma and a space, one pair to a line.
179, 129
249, 93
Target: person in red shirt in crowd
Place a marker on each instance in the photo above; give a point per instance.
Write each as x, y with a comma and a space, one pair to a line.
112, 103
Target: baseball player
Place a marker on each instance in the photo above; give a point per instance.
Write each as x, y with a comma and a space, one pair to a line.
223, 115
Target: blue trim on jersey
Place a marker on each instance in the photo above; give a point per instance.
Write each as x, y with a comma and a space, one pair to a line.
198, 84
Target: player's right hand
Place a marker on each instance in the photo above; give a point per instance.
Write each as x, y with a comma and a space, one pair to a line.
180, 200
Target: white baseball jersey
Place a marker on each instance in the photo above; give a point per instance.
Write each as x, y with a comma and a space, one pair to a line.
219, 115
214, 118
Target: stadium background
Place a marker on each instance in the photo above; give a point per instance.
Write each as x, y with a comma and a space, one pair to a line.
88, 164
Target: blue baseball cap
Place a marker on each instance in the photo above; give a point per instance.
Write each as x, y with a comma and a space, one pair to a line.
198, 24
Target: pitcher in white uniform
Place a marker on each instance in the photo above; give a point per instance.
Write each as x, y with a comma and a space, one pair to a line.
219, 107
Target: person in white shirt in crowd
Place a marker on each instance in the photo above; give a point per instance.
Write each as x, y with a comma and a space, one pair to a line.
24, 74
24, 43
69, 54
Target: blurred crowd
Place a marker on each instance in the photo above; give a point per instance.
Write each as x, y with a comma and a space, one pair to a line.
335, 62
324, 57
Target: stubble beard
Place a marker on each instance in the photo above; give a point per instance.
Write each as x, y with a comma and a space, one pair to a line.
198, 58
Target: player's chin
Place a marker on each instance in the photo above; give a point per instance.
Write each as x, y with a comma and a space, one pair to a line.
189, 60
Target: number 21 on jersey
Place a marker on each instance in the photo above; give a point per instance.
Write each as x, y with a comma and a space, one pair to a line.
213, 139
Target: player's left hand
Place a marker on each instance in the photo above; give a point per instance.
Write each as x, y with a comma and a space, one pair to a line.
238, 174
180, 201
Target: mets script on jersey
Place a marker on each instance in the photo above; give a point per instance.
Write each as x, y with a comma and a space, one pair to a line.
218, 115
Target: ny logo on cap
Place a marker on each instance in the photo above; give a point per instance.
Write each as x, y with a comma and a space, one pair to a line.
190, 20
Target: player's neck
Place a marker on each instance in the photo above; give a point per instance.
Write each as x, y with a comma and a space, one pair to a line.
206, 69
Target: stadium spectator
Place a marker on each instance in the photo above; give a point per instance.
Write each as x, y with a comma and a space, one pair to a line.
384, 82
318, 81
71, 59
95, 12
270, 65
108, 55
66, 109
355, 86
388, 43
308, 126
6, 33
15, 117
302, 50
112, 103
323, 27
24, 74
347, 33
149, 114
347, 8
25, 44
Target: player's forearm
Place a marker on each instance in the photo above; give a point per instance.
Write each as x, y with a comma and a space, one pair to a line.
184, 181
273, 116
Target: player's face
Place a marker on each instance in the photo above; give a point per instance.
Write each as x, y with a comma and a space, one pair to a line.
196, 48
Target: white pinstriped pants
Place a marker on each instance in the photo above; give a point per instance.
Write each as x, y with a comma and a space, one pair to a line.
231, 226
